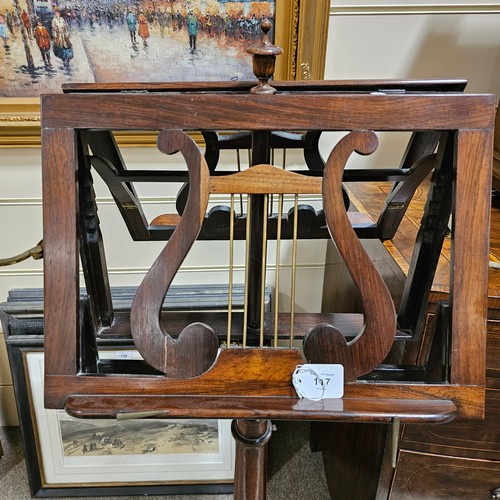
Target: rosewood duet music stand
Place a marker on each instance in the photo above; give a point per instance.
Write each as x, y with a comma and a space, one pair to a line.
239, 365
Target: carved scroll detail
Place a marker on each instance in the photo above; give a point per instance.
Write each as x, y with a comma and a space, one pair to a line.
306, 71
195, 350
324, 343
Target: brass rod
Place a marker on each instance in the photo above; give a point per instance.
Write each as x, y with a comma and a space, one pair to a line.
263, 271
294, 265
36, 253
231, 271
247, 265
238, 161
277, 271
396, 425
124, 415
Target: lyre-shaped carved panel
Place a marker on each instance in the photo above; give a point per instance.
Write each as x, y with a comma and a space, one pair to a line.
196, 347
195, 350
324, 343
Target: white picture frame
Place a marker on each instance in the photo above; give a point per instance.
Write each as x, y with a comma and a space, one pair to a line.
105, 452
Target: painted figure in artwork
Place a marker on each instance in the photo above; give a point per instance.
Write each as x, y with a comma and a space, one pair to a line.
192, 28
132, 26
163, 21
4, 34
143, 28
62, 44
42, 37
9, 19
178, 19
26, 23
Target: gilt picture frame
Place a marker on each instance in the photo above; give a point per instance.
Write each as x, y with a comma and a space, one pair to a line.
300, 28
68, 457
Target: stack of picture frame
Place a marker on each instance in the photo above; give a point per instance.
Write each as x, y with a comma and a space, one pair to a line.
79, 457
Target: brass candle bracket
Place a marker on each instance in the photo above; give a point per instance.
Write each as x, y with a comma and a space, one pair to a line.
264, 60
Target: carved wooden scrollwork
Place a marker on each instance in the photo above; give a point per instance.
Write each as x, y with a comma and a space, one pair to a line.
195, 350
324, 343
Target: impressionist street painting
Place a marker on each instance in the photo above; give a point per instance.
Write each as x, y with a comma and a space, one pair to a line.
137, 437
46, 43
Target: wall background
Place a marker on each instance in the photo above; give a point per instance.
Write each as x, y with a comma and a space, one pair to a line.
378, 39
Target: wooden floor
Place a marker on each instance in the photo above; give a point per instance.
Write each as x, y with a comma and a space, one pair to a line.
369, 199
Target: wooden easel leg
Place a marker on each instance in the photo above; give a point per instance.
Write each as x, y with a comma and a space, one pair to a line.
250, 476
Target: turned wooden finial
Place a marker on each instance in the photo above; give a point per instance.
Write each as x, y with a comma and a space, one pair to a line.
264, 60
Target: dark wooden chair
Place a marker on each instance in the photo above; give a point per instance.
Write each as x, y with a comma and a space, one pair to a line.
234, 365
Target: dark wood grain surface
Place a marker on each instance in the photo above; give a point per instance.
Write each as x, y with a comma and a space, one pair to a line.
444, 478
286, 112
470, 115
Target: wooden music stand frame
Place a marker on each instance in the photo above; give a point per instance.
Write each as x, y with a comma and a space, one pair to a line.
241, 384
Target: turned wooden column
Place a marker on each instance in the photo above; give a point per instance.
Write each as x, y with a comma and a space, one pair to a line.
250, 475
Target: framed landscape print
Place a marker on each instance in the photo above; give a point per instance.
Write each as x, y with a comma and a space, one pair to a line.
47, 43
78, 457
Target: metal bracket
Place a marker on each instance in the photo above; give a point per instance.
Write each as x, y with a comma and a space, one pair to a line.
36, 253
